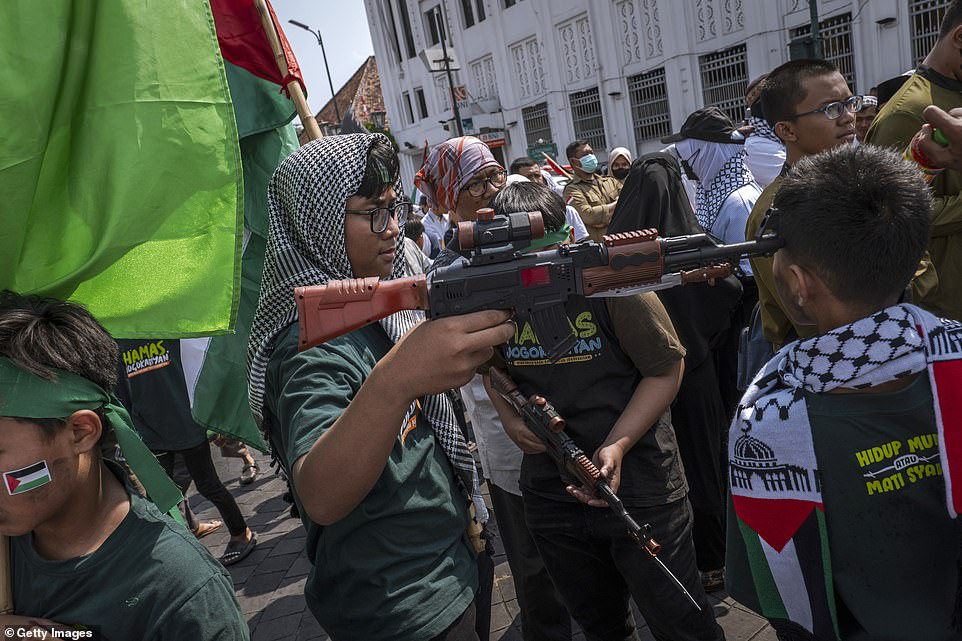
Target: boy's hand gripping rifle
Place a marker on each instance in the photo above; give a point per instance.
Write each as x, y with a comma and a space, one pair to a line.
494, 272
541, 418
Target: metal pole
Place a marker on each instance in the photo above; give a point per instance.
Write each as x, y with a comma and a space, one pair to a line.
439, 17
816, 37
320, 41
337, 113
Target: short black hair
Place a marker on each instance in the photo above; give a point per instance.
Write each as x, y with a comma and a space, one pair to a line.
951, 19
575, 146
782, 91
382, 169
40, 333
858, 217
520, 163
413, 228
529, 196
423, 200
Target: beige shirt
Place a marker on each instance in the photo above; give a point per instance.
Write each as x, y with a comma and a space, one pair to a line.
591, 199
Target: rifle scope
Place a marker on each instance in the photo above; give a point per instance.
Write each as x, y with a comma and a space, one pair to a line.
495, 231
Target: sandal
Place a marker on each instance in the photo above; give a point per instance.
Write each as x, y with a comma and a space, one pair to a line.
207, 527
236, 552
249, 474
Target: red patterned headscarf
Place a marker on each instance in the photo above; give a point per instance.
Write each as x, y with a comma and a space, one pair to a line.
449, 167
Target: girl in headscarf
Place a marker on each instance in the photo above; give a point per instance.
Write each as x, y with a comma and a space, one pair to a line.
460, 176
619, 162
380, 471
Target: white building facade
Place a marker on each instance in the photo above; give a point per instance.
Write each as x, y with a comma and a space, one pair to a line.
625, 73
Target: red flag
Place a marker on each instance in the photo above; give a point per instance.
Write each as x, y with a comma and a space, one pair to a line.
242, 41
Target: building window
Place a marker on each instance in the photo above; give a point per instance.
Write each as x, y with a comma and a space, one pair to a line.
537, 126
422, 105
432, 19
724, 80
485, 82
836, 36
925, 17
406, 27
407, 107
392, 29
529, 67
586, 118
648, 97
443, 91
472, 11
510, 3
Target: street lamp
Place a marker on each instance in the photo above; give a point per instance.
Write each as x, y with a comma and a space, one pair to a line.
320, 41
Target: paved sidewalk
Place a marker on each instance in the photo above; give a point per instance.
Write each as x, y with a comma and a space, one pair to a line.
270, 582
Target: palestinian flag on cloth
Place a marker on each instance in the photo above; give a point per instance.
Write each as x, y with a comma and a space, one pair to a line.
779, 513
120, 164
216, 368
27, 478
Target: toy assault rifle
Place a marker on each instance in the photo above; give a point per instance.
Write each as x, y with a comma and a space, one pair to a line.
541, 418
494, 272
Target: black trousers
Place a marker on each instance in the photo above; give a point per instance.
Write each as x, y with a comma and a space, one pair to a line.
543, 613
201, 468
596, 567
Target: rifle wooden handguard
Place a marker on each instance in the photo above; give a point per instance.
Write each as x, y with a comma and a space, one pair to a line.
350, 304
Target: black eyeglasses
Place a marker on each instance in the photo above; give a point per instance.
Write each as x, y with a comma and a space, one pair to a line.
381, 215
834, 110
477, 187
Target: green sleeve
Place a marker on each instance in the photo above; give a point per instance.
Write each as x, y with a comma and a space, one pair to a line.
894, 129
211, 614
312, 389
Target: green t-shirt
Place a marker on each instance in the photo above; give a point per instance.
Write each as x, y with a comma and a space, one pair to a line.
895, 551
151, 580
398, 566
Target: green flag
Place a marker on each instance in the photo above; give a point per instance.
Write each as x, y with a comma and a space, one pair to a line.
216, 368
120, 165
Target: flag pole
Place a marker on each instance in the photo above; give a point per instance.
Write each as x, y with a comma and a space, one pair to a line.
556, 166
6, 584
294, 87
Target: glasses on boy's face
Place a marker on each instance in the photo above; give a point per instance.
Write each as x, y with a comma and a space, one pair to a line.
381, 215
476, 188
834, 110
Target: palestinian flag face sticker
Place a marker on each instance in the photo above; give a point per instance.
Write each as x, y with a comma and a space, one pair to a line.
27, 478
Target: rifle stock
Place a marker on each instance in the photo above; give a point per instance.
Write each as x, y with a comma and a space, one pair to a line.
340, 306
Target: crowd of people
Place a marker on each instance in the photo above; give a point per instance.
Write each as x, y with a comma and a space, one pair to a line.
790, 432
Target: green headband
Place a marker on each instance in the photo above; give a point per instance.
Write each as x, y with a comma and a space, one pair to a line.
551, 238
26, 395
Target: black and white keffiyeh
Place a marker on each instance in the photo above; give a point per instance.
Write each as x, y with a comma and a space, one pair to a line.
306, 246
709, 199
773, 469
762, 129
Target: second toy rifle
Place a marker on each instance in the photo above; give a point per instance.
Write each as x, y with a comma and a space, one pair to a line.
544, 422
495, 272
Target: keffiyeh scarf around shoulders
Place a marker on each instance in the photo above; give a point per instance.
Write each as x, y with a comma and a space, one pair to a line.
776, 491
306, 246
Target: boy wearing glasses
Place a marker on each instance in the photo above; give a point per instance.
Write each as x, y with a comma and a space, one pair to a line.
381, 475
810, 108
937, 81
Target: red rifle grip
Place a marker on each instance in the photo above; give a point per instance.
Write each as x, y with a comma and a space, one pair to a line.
341, 306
